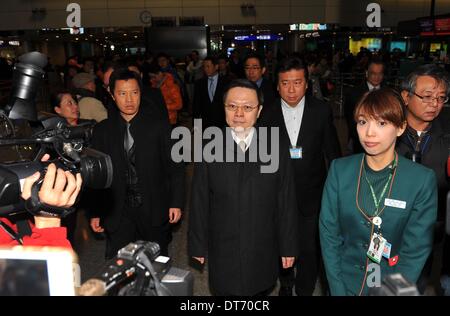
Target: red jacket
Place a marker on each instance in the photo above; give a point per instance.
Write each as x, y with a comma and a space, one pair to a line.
172, 95
55, 236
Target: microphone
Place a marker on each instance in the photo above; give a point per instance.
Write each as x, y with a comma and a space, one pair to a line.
92, 287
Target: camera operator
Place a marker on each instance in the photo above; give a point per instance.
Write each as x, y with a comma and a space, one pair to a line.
60, 189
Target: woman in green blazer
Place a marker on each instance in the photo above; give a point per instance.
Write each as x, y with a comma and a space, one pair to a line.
378, 208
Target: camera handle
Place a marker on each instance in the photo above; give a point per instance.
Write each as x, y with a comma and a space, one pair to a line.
37, 208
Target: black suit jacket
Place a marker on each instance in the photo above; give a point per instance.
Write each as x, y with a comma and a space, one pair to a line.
211, 113
161, 181
320, 145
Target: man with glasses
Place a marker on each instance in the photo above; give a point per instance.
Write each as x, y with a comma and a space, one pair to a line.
242, 219
425, 91
255, 69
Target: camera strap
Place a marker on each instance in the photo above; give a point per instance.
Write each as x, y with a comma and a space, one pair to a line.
37, 208
15, 236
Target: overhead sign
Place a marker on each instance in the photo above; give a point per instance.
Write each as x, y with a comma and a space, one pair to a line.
264, 37
308, 27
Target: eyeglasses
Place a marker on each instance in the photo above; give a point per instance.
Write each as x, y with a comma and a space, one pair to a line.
430, 99
252, 68
234, 107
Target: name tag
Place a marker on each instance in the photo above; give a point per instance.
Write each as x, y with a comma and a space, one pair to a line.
296, 152
395, 203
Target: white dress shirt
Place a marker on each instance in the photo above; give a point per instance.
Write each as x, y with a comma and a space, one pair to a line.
247, 140
372, 87
293, 119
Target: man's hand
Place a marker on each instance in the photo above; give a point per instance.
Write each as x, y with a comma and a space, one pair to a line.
174, 215
287, 262
95, 225
200, 259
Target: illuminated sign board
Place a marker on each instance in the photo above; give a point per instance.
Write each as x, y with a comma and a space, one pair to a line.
265, 37
308, 27
14, 43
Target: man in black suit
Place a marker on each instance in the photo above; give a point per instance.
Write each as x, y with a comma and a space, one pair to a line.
242, 219
374, 79
208, 94
306, 125
147, 190
254, 66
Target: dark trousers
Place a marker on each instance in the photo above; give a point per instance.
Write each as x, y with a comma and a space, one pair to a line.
129, 231
307, 263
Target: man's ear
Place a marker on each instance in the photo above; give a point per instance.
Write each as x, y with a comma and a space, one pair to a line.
405, 97
263, 70
57, 109
259, 111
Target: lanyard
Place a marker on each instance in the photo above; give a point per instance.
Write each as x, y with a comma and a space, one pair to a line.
369, 218
374, 197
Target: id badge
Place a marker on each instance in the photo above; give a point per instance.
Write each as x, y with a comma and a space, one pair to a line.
387, 250
376, 248
296, 152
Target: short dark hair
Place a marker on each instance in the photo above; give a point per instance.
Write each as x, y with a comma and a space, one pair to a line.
384, 103
212, 59
293, 63
261, 61
244, 83
375, 61
431, 70
123, 74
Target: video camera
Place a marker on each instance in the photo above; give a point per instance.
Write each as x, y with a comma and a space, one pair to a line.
138, 270
24, 140
395, 285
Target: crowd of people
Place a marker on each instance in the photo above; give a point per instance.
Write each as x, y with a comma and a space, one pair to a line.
316, 218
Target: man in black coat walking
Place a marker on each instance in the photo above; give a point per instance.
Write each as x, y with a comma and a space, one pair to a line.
243, 219
147, 191
306, 126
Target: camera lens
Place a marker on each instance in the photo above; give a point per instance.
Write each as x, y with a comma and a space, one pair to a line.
96, 169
